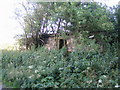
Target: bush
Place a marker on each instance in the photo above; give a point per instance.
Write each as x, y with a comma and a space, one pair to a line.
52, 69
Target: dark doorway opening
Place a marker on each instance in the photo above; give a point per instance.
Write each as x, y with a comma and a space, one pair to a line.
61, 43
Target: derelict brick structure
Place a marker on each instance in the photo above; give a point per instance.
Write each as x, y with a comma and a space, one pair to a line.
56, 41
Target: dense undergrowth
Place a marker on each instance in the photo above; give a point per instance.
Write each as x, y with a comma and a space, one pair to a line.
44, 69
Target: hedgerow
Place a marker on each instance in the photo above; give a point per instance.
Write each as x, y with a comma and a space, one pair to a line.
52, 69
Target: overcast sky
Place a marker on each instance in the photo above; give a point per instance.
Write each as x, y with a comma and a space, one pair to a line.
9, 27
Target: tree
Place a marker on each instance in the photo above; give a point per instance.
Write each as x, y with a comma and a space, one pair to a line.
117, 13
35, 21
57, 17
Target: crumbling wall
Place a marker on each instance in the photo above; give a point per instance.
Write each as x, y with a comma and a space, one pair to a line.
54, 43
70, 44
51, 43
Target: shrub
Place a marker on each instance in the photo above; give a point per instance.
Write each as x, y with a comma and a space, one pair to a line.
52, 69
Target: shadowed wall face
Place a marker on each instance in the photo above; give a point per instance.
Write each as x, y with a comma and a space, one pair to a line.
61, 43
51, 43
70, 44
54, 43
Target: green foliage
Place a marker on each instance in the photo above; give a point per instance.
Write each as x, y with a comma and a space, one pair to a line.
87, 17
88, 66
52, 69
57, 17
117, 14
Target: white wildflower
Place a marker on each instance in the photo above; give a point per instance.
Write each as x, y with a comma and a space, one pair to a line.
89, 81
100, 81
84, 71
30, 77
55, 57
10, 72
91, 36
44, 61
117, 86
88, 68
38, 75
60, 68
30, 67
99, 85
36, 71
104, 76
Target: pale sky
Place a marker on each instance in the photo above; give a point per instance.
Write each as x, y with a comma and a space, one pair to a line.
9, 27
